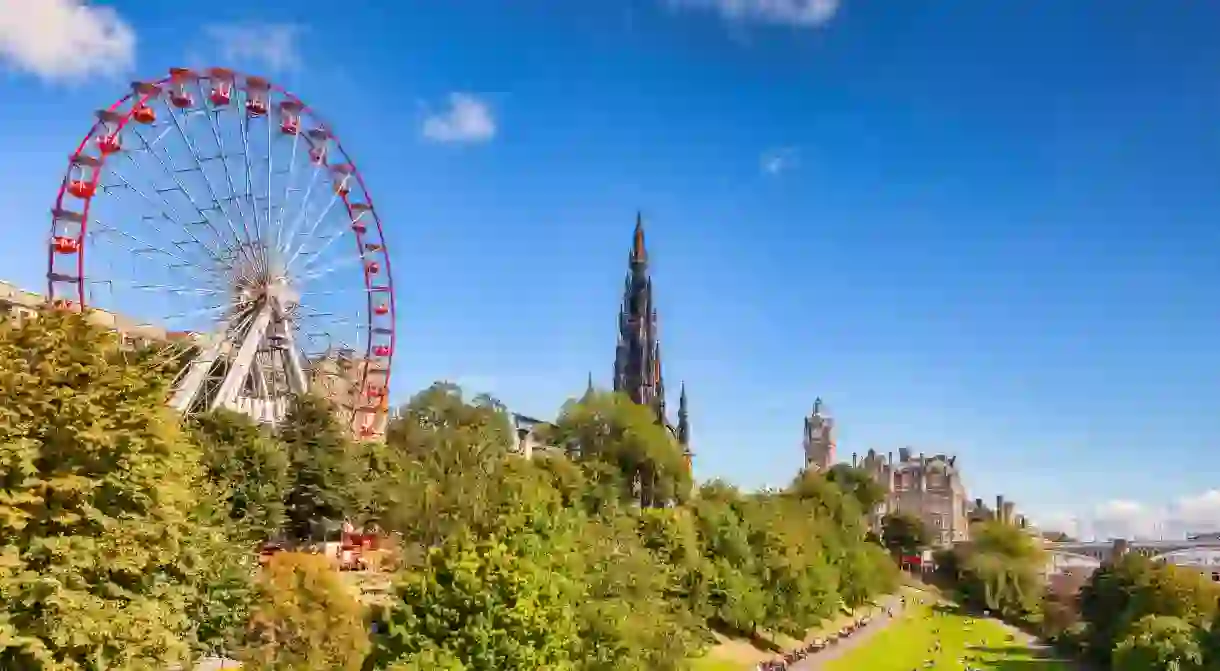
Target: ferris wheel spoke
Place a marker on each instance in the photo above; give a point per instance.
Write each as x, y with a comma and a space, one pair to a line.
289, 183
182, 125
200, 312
244, 125
213, 116
270, 174
316, 274
166, 212
311, 260
172, 173
299, 218
146, 247
312, 230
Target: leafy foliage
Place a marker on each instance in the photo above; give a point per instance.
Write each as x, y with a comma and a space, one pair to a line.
627, 587
248, 466
1001, 570
326, 483
305, 618
104, 529
127, 539
904, 533
608, 428
1160, 643
484, 605
1120, 596
864, 488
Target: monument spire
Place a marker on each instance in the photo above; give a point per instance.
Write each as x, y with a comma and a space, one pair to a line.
684, 428
637, 361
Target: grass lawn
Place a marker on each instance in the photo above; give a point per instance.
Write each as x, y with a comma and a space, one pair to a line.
907, 645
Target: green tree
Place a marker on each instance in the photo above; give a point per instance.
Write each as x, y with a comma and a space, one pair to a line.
1123, 592
611, 429
1160, 643
857, 482
454, 475
1002, 570
102, 550
326, 478
483, 604
248, 466
440, 415
904, 533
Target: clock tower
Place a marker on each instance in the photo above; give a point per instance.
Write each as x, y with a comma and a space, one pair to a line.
819, 442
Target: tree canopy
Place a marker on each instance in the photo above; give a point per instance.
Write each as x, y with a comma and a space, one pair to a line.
129, 537
105, 527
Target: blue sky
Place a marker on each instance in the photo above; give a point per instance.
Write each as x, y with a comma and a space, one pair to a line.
982, 228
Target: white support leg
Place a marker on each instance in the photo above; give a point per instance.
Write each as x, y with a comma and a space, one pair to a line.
188, 391
240, 369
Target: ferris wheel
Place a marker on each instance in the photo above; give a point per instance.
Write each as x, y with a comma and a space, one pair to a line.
213, 213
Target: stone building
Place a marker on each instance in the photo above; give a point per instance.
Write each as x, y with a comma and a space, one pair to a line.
1004, 511
929, 487
337, 377
20, 305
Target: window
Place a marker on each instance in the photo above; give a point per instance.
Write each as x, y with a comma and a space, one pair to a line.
938, 521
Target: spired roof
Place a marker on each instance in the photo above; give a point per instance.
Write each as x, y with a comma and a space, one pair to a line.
638, 370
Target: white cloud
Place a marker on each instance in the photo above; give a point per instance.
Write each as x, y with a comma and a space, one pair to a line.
64, 40
1198, 513
466, 119
775, 161
800, 13
273, 46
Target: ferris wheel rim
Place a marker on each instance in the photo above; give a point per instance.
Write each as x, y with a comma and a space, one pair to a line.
154, 89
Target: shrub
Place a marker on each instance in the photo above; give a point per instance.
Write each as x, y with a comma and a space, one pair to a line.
305, 618
1160, 643
103, 559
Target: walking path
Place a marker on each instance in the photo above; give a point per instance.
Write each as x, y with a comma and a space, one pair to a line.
832, 652
882, 620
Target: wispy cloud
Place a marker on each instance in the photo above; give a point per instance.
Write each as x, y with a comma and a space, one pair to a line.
799, 13
778, 160
273, 46
1120, 518
65, 40
465, 119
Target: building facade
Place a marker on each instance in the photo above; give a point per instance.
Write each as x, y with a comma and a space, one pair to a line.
339, 377
928, 487
19, 305
637, 357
